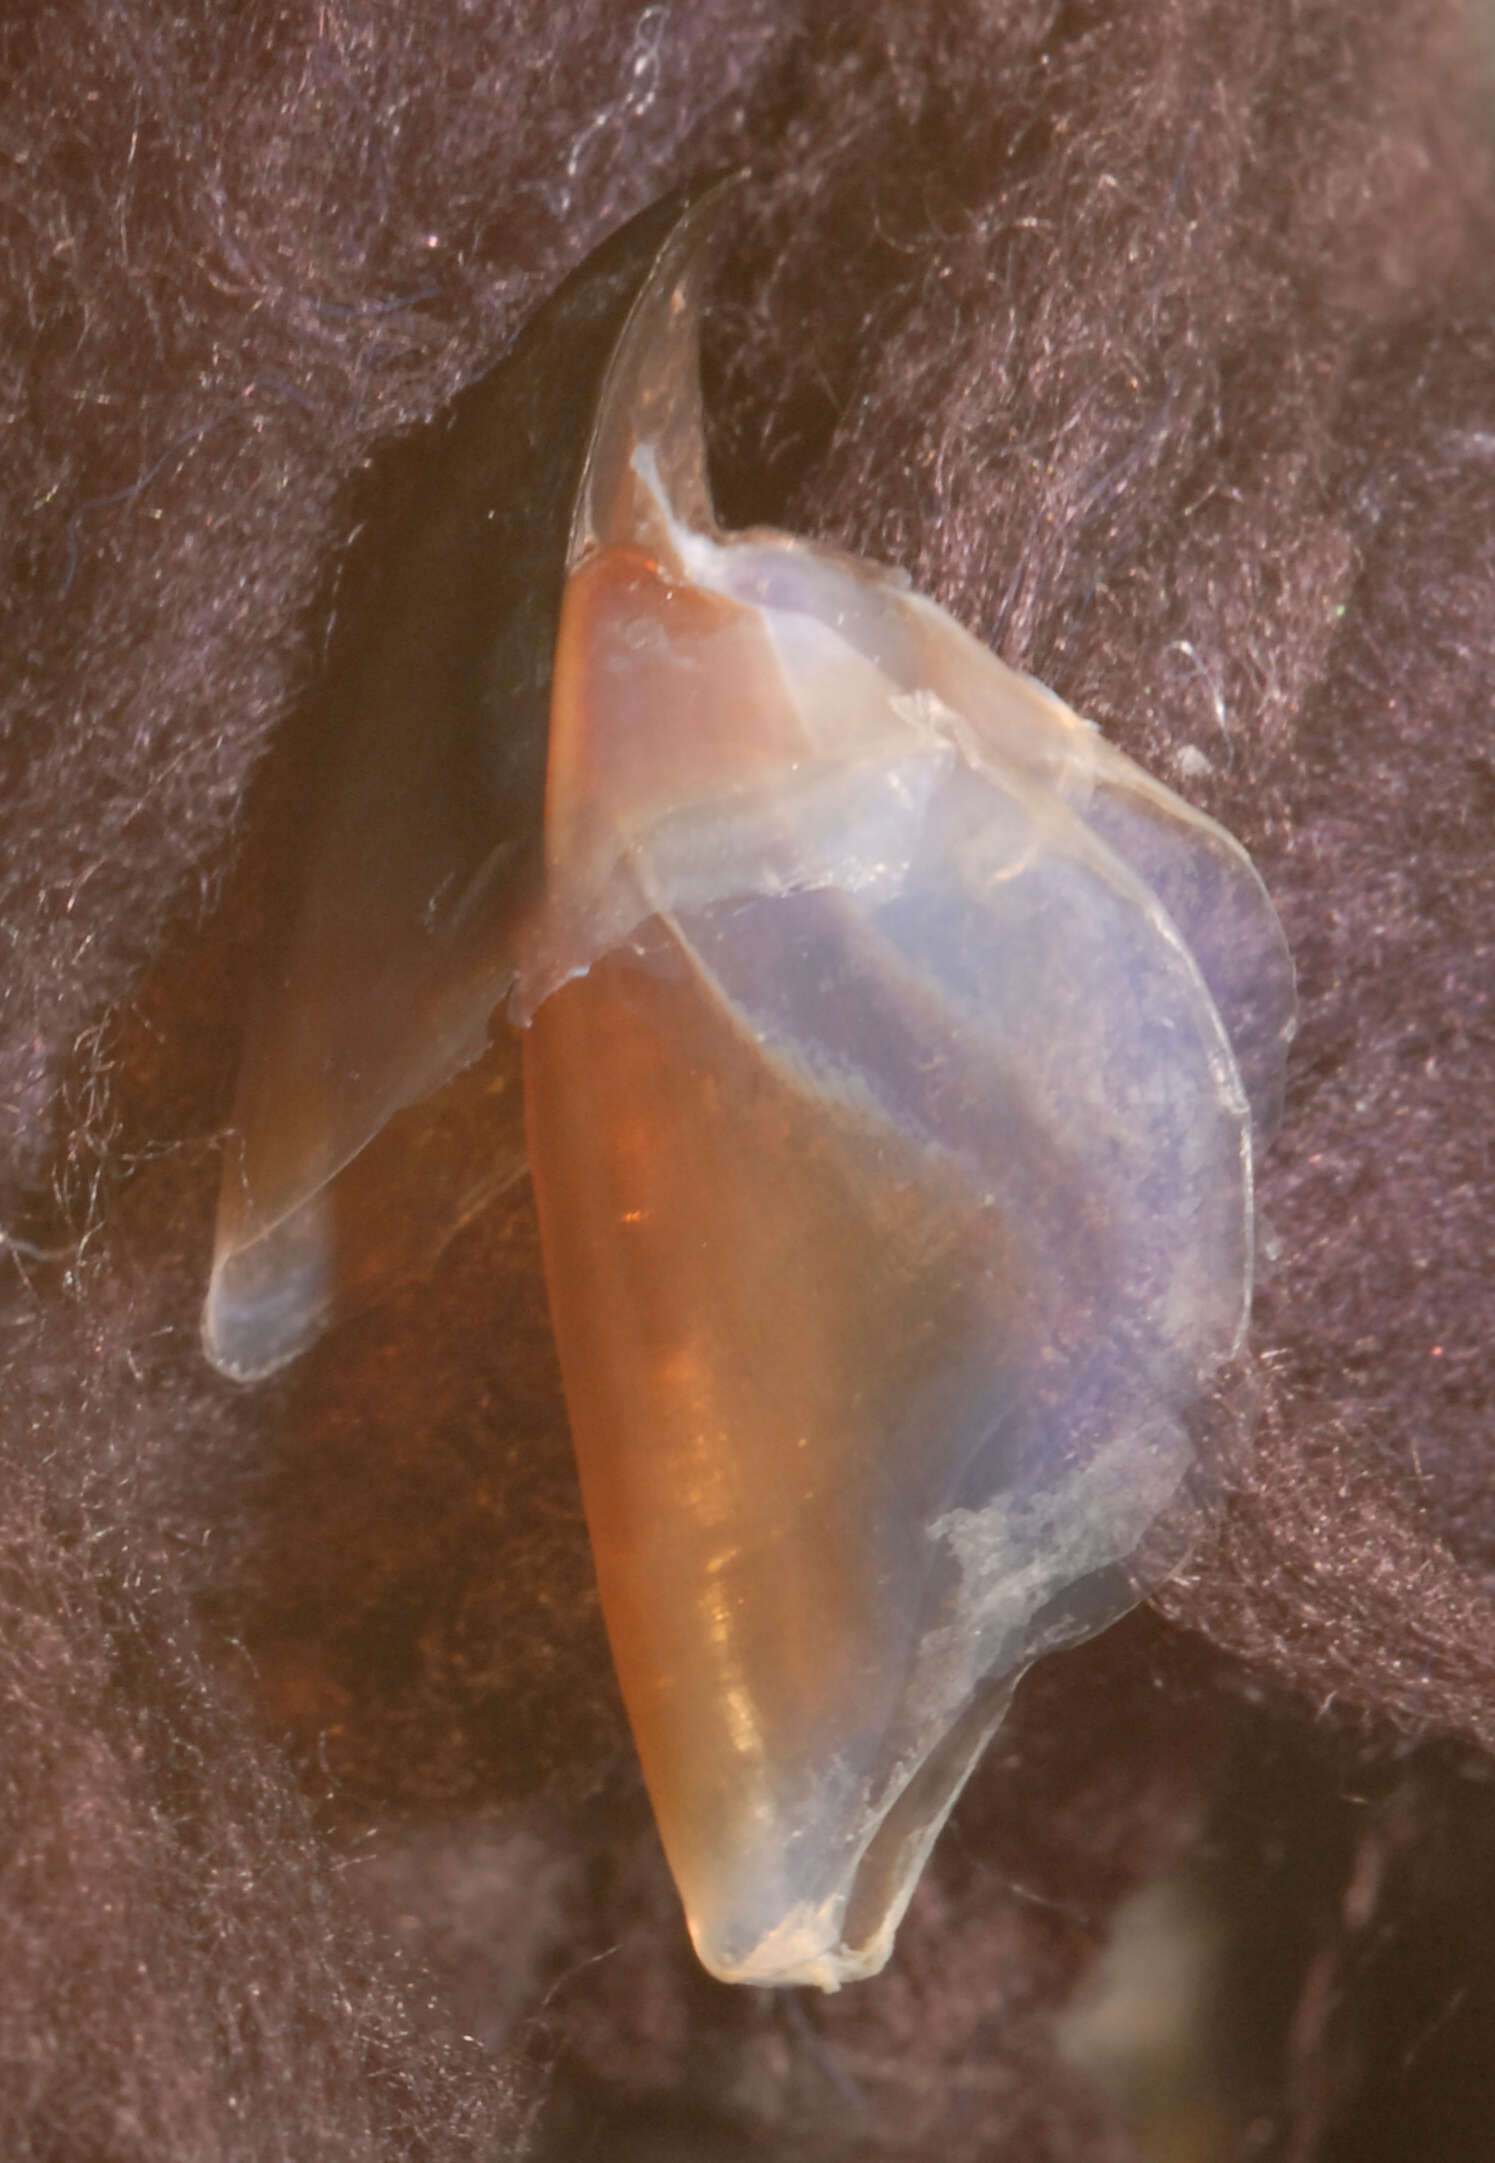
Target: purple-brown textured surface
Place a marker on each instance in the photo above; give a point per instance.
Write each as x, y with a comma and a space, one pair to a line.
1159, 345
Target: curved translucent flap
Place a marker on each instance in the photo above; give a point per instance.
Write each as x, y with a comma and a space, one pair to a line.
897, 1212
373, 1113
894, 1046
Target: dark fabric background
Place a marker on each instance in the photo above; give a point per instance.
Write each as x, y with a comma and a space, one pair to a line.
1157, 341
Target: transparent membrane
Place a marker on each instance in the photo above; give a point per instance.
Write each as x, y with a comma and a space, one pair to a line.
894, 1171
892, 1056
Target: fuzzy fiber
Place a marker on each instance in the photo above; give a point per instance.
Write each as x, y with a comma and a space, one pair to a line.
1158, 342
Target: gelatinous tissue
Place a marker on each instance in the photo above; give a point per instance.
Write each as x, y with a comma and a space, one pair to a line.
894, 1054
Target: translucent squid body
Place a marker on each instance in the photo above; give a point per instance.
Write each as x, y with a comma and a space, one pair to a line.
893, 1053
